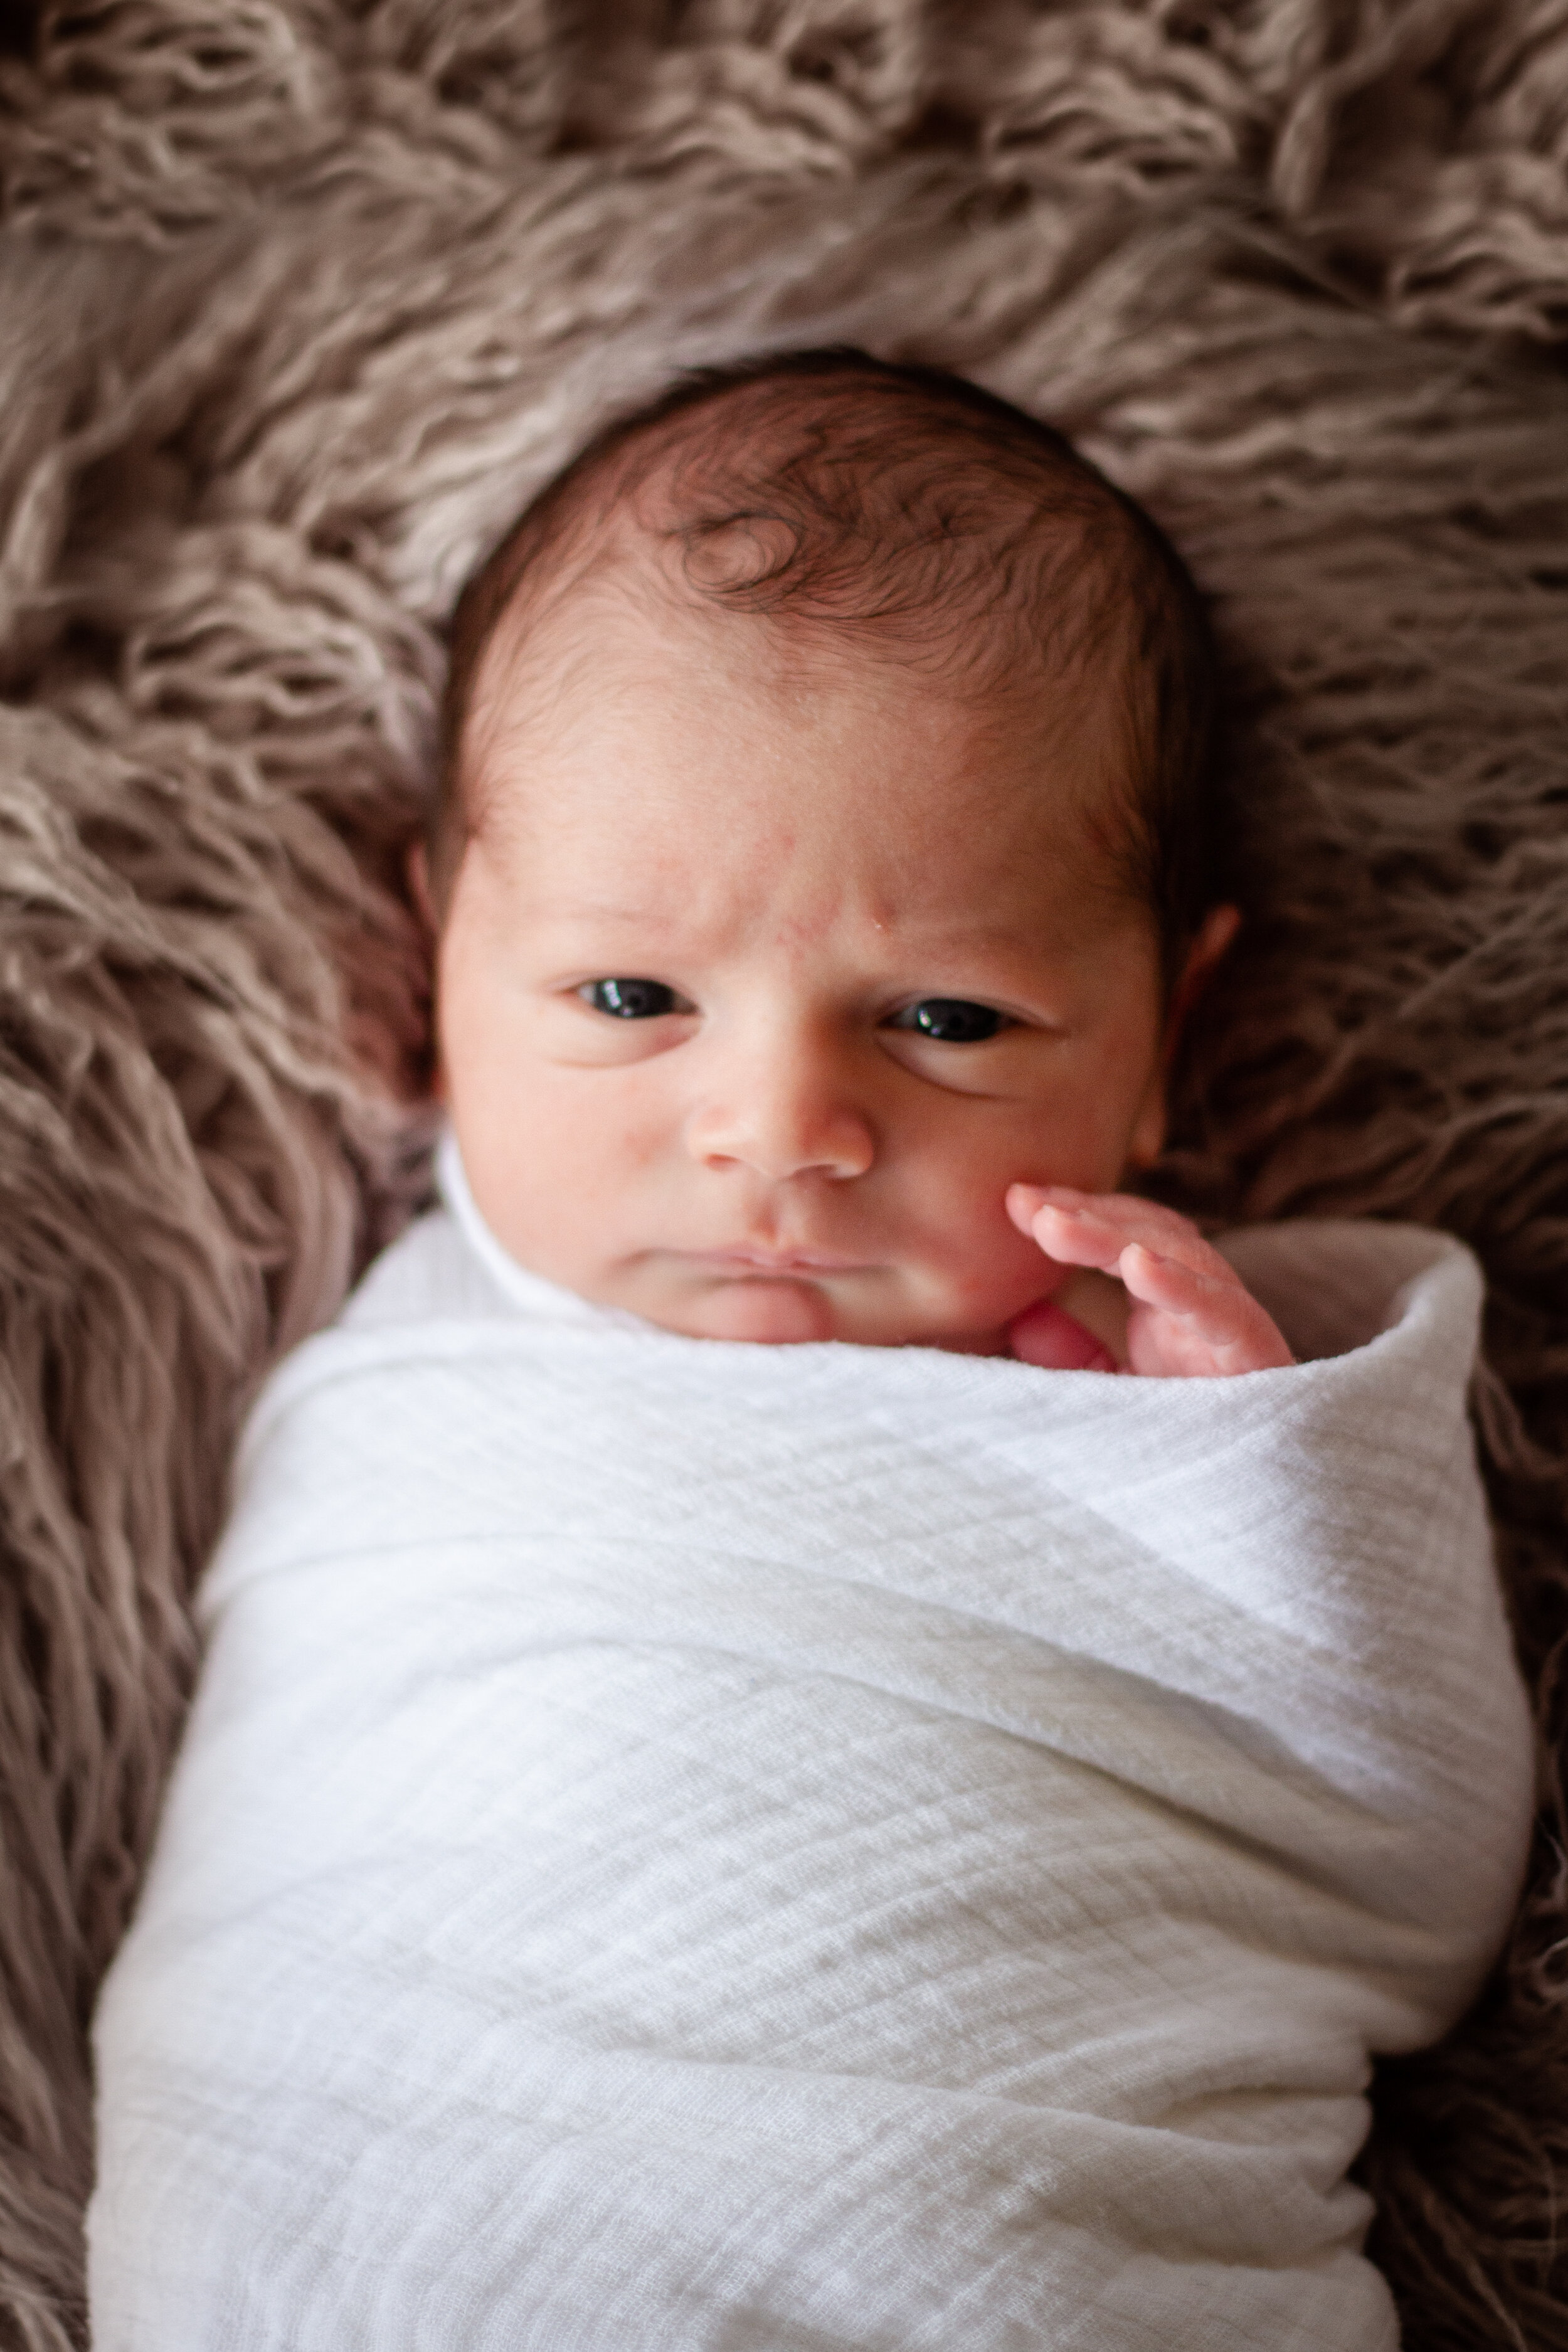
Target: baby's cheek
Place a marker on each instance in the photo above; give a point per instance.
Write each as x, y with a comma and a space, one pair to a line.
543, 1201
993, 1261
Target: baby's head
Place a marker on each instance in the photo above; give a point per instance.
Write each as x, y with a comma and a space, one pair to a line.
822, 849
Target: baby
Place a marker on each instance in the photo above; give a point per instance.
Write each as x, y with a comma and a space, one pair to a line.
823, 869
689, 1843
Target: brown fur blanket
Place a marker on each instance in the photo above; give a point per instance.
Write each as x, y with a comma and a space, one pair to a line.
299, 298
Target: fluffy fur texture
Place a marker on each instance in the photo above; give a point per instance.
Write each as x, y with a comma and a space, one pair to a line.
301, 299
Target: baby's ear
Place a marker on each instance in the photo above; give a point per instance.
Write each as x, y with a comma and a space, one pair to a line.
1215, 932
416, 870
1147, 1139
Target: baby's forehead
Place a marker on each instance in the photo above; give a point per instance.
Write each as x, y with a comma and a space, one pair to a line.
631, 647
665, 737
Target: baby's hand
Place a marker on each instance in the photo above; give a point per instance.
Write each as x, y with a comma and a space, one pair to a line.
1190, 1314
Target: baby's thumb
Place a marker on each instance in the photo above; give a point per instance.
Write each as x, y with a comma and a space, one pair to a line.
1047, 1335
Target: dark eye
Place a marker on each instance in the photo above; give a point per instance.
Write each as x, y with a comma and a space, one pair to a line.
632, 999
951, 1019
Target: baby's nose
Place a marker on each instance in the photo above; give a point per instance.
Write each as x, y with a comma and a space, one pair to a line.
783, 1111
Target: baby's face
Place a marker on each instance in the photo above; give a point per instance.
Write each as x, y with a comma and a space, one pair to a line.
766, 972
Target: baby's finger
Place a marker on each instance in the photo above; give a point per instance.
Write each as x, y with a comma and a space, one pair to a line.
1166, 1282
1218, 1316
1093, 1228
1163, 1230
1058, 1343
1072, 1235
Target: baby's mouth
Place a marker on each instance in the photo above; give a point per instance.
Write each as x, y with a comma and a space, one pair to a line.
763, 1263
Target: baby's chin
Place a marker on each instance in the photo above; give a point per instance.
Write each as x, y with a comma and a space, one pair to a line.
791, 1311
774, 1314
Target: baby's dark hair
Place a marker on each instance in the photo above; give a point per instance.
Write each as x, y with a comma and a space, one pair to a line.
905, 510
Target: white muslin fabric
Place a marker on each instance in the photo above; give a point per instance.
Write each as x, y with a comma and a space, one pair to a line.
697, 1847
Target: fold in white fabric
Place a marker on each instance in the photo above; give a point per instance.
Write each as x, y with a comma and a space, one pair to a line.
691, 1847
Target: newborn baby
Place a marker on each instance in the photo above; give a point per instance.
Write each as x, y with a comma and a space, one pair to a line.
746, 1796
822, 870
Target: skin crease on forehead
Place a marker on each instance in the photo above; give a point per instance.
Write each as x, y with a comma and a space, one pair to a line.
801, 844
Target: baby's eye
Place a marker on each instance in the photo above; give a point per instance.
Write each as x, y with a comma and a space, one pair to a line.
632, 999
951, 1019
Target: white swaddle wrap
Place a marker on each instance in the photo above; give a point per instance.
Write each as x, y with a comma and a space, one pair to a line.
691, 1847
